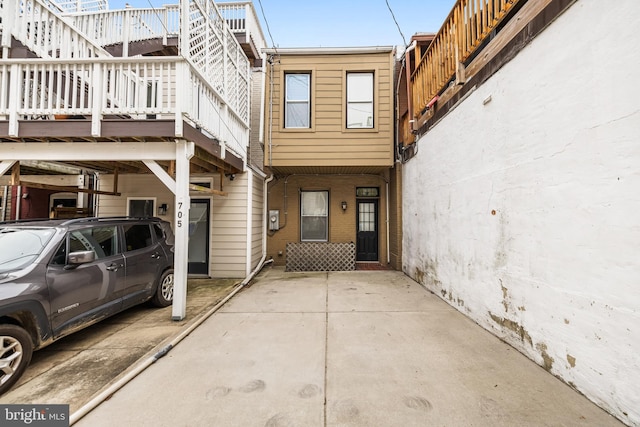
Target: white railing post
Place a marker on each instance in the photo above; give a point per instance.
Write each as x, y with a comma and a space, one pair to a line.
126, 29
224, 131
14, 99
98, 88
182, 95
248, 21
184, 31
165, 25
8, 15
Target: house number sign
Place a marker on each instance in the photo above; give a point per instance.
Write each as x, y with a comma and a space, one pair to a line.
179, 214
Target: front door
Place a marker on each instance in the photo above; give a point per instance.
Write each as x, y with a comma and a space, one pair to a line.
367, 234
199, 236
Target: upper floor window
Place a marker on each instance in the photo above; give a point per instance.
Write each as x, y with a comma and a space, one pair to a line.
360, 100
297, 100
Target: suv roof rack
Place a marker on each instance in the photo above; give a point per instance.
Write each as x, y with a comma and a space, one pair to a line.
108, 218
70, 221
22, 221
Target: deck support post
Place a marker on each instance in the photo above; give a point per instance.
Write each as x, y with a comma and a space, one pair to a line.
184, 152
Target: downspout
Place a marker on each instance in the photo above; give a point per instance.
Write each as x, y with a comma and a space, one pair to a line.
407, 60
265, 214
386, 184
249, 220
397, 117
263, 89
270, 61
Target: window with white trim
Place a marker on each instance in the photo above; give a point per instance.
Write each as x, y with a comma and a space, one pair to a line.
360, 100
141, 206
314, 216
297, 112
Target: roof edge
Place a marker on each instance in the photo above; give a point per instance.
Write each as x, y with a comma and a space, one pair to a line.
328, 50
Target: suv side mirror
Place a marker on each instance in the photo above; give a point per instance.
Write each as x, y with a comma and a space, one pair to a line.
81, 257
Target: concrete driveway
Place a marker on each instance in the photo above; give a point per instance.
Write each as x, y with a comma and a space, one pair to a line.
343, 349
74, 369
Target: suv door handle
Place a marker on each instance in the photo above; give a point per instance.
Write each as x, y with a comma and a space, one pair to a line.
155, 255
114, 267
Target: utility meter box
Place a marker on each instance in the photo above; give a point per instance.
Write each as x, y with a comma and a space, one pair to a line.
274, 220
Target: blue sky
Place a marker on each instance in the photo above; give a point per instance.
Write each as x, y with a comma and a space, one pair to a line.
333, 23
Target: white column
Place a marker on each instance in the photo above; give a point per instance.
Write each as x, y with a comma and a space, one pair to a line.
184, 151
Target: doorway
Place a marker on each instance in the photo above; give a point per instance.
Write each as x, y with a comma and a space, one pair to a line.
367, 232
199, 235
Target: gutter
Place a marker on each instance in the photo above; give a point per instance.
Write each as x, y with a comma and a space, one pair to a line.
387, 222
329, 50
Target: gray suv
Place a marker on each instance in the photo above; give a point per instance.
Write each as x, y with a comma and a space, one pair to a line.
59, 276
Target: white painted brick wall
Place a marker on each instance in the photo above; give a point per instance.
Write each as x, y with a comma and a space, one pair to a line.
555, 155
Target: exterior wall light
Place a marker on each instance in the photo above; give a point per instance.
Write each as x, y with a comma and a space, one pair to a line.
162, 209
344, 205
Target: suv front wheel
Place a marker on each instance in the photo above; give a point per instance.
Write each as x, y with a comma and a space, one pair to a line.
16, 349
163, 296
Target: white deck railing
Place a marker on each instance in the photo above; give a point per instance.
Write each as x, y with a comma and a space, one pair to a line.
215, 52
242, 18
43, 31
78, 5
207, 41
208, 84
111, 27
167, 87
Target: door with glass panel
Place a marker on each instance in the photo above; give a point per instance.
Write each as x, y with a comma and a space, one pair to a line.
199, 232
367, 234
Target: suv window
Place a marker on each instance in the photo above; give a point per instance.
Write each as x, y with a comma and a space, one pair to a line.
137, 236
103, 241
159, 232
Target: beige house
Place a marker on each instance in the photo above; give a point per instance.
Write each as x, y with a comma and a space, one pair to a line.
330, 147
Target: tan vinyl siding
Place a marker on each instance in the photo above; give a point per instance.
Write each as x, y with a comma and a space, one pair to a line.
257, 220
228, 240
229, 229
328, 142
139, 186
